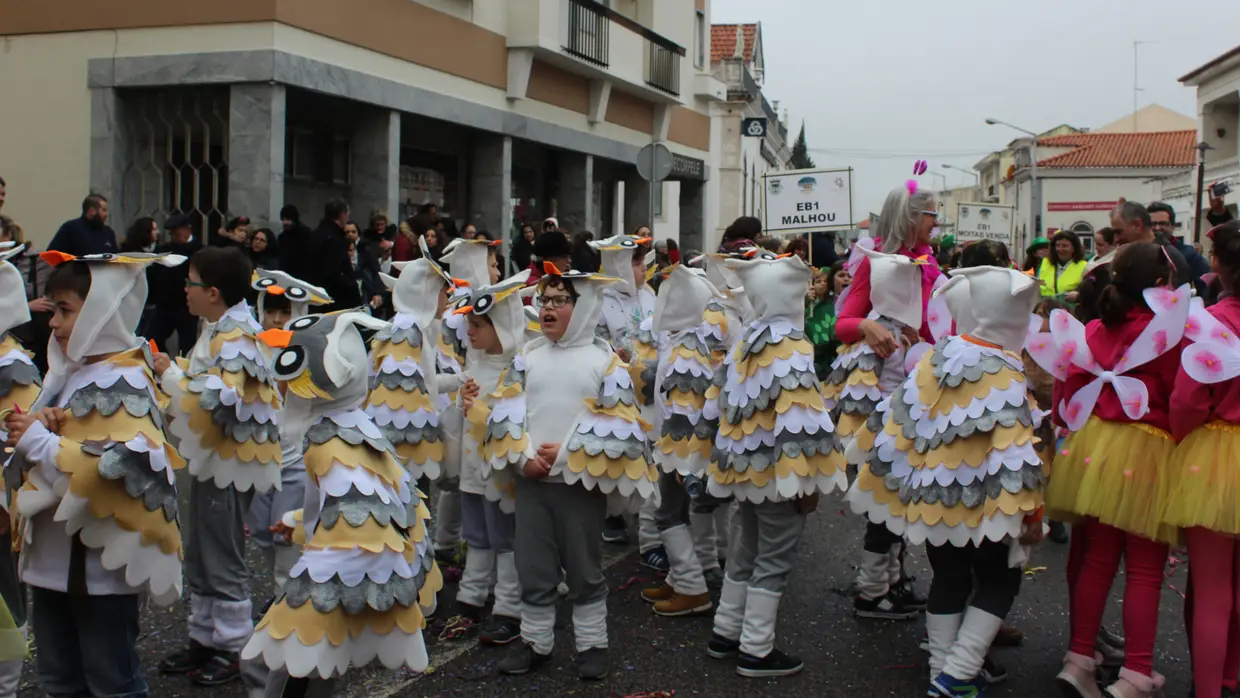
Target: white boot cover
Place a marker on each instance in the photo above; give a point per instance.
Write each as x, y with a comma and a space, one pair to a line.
758, 633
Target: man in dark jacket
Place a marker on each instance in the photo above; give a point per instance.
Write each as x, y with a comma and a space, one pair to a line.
168, 288
296, 240
89, 234
331, 267
1162, 219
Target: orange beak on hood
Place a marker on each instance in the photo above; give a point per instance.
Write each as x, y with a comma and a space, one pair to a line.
549, 268
460, 283
276, 339
56, 257
462, 310
783, 256
275, 290
643, 241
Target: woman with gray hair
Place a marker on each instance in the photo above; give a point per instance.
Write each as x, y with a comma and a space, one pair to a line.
878, 321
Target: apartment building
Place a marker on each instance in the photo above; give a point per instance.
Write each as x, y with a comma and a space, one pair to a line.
499, 111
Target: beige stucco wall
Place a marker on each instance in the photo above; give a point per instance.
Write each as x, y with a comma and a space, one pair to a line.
45, 139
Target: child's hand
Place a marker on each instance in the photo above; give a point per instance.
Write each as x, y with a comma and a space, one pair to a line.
17, 424
549, 452
162, 362
1032, 533
469, 392
282, 532
537, 468
52, 418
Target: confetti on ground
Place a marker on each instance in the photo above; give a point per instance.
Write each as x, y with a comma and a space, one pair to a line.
1033, 571
651, 694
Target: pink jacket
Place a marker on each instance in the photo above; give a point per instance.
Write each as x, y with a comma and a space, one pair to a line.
1194, 404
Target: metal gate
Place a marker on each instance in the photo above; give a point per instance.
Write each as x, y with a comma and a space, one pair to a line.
176, 154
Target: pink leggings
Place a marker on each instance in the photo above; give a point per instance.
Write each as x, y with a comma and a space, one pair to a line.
1215, 609
1144, 561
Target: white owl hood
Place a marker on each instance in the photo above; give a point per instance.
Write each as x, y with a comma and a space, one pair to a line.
998, 301
501, 304
13, 308
616, 254
470, 260
589, 304
895, 287
300, 295
775, 285
683, 300
728, 284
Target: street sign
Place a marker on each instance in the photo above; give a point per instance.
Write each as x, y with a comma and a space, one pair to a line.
976, 221
802, 201
754, 127
654, 162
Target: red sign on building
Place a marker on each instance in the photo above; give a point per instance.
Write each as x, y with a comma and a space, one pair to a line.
1081, 205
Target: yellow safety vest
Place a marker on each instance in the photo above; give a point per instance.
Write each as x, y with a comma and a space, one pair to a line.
1067, 280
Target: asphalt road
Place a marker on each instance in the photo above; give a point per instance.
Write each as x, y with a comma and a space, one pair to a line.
844, 656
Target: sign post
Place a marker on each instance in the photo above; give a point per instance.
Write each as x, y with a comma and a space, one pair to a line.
654, 164
976, 222
807, 201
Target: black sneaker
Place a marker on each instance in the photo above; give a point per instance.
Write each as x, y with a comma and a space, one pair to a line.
889, 607
222, 668
722, 648
772, 665
615, 530
1058, 532
992, 673
522, 659
469, 611
656, 559
592, 665
904, 591
714, 579
193, 657
500, 631
449, 557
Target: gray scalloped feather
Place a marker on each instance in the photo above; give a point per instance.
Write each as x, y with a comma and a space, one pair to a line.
134, 470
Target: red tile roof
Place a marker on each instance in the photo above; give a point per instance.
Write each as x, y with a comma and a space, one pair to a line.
723, 40
1156, 149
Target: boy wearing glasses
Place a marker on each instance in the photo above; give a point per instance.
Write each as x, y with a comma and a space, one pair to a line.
222, 415
564, 420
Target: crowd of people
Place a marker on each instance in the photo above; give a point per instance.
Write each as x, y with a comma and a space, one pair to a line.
334, 381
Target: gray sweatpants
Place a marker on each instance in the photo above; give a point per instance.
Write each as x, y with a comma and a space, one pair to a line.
673, 504
279, 685
560, 526
764, 544
215, 566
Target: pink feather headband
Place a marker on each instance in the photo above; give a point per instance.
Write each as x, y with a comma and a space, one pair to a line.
919, 168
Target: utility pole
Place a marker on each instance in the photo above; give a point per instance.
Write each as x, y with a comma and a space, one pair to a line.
1136, 89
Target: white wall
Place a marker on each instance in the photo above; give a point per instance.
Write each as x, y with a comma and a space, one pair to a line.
1102, 188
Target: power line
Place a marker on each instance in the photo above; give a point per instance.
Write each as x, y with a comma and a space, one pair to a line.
891, 155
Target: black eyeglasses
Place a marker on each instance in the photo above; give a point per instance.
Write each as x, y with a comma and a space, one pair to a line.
555, 301
195, 284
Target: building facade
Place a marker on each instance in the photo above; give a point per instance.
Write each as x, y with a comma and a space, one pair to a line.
499, 111
743, 158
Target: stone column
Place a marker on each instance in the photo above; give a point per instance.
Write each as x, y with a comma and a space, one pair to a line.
636, 202
256, 124
692, 215
576, 200
376, 165
490, 186
108, 146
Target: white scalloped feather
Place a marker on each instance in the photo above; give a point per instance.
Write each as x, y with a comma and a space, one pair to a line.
781, 489
206, 465
324, 660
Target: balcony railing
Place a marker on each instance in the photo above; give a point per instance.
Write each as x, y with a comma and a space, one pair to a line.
589, 32
663, 66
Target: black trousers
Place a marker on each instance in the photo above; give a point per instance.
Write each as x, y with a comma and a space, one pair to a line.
980, 572
168, 322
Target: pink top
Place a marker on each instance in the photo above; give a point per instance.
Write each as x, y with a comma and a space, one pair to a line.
1108, 346
1194, 404
858, 305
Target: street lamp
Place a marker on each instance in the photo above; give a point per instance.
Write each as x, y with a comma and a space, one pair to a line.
1035, 197
968, 172
1201, 149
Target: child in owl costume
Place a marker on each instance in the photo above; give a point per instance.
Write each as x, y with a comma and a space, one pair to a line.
683, 450
223, 416
19, 386
497, 331
281, 298
472, 262
626, 304
958, 437
564, 420
98, 504
776, 451
366, 576
859, 380
407, 390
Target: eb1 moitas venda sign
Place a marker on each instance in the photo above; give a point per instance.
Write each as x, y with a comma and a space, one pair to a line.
802, 201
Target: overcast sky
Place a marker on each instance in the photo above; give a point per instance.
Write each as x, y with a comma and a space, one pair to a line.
910, 79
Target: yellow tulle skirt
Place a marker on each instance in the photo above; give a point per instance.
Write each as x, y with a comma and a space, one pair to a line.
12, 642
1207, 494
1118, 473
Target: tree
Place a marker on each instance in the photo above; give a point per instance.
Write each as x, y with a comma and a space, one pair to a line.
800, 152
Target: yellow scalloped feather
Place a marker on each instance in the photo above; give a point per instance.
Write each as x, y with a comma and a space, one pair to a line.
849, 423
398, 352
683, 448
212, 438
401, 400
311, 627
969, 451
685, 398
860, 377
476, 421
783, 351
809, 398
420, 453
505, 447
1024, 502
602, 466
786, 466
120, 427
941, 399
867, 481
108, 499
320, 458
370, 536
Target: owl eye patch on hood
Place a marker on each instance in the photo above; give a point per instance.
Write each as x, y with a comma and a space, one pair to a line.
323, 356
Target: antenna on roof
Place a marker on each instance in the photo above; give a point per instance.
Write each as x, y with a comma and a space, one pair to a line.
1136, 89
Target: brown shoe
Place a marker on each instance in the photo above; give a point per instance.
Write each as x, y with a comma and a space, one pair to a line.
683, 605
1008, 636
663, 592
